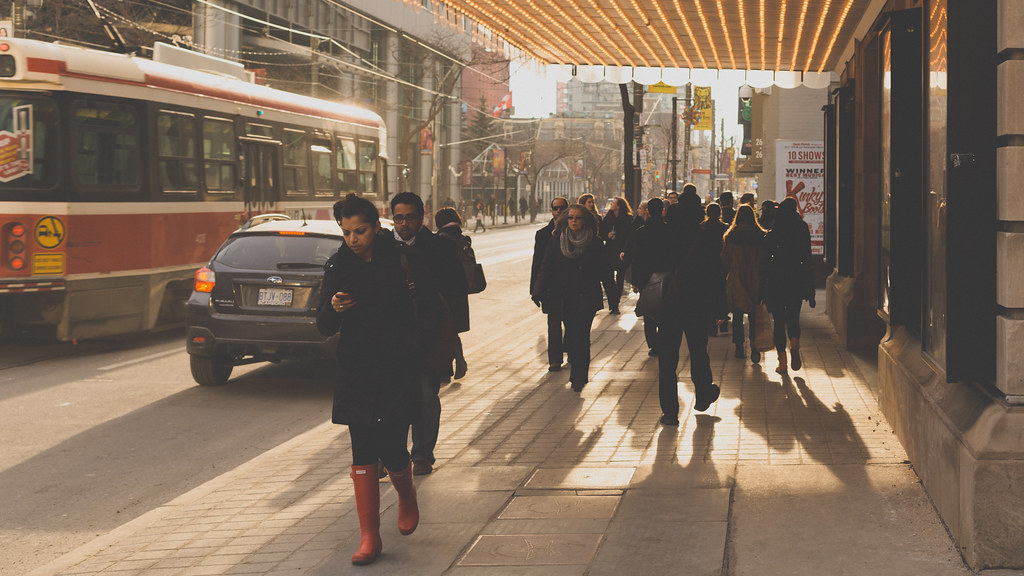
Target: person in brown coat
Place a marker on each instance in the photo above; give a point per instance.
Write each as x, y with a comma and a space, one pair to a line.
742, 259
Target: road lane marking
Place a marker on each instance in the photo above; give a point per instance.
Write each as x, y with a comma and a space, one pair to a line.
142, 359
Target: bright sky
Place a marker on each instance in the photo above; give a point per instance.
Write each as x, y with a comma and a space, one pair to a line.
533, 95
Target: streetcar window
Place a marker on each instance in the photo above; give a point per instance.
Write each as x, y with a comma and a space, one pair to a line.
176, 143
31, 152
259, 130
296, 163
346, 154
322, 179
105, 139
348, 178
219, 155
367, 167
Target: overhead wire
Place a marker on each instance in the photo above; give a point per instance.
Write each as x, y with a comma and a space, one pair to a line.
331, 59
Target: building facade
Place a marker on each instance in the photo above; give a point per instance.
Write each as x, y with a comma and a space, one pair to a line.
924, 155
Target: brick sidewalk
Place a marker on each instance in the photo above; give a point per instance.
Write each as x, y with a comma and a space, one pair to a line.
534, 479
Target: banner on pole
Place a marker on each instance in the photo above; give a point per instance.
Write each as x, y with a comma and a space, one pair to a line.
702, 101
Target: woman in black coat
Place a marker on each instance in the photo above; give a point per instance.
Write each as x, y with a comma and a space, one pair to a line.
365, 298
788, 279
616, 228
449, 226
570, 277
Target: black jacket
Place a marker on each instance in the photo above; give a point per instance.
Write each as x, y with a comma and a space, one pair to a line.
458, 301
788, 272
540, 245
697, 262
378, 348
649, 251
571, 284
444, 268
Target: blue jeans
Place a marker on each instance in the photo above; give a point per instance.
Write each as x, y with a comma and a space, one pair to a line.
428, 424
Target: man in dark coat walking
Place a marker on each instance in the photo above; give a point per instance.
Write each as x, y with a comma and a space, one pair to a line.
697, 267
445, 276
540, 245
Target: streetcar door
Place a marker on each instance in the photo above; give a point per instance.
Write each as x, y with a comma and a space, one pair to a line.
261, 185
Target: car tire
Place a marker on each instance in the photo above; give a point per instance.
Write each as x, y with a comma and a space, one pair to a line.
210, 371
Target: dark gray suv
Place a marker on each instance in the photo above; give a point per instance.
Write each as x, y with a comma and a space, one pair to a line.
256, 300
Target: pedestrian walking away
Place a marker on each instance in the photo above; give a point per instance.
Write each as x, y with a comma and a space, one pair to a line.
696, 266
365, 301
728, 212
788, 279
645, 255
570, 277
742, 259
713, 223
478, 217
449, 227
442, 276
552, 309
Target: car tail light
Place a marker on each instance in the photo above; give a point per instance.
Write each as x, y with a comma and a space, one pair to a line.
291, 232
205, 280
14, 246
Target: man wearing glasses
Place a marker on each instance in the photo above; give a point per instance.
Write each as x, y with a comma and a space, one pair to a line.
540, 244
446, 275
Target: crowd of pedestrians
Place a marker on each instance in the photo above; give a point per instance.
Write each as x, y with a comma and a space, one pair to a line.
711, 262
394, 296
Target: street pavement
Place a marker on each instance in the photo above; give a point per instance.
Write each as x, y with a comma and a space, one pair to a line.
784, 475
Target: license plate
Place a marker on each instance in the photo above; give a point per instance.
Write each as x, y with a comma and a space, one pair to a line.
274, 297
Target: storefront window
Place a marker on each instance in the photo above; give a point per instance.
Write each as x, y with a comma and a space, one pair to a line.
885, 186
935, 207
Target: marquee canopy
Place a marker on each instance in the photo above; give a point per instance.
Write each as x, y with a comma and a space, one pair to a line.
618, 39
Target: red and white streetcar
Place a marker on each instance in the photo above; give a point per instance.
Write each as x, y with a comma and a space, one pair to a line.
120, 176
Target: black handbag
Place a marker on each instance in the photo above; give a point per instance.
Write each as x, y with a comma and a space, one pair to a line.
652, 303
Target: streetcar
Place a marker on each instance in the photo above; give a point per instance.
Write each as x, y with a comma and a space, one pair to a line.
121, 175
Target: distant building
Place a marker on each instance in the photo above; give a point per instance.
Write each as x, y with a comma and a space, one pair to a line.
485, 81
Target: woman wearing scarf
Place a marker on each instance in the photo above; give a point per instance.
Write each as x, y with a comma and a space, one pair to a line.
570, 279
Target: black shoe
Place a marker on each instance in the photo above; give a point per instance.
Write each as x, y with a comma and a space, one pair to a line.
669, 420
706, 398
613, 311
555, 368
422, 468
794, 354
577, 387
460, 369
739, 351
755, 356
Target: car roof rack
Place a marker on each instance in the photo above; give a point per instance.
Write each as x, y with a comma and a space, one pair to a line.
263, 219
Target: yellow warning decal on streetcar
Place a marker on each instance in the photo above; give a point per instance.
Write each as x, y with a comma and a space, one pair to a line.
48, 263
49, 232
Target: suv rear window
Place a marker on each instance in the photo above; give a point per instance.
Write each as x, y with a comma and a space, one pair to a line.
277, 252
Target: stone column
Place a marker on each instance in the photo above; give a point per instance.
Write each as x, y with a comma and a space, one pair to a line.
1010, 206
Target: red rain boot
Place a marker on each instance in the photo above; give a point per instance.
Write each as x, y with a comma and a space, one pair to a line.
367, 489
408, 510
